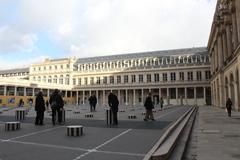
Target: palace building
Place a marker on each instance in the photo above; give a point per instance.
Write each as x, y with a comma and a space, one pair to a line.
180, 76
224, 51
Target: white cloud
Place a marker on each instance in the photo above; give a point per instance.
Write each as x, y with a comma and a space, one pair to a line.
93, 27
12, 40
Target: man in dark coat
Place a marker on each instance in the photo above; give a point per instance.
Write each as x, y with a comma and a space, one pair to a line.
149, 106
56, 103
229, 106
39, 108
113, 104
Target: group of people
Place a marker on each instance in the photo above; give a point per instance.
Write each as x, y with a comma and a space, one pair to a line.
56, 102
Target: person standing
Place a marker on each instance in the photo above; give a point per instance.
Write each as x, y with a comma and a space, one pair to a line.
56, 103
90, 99
94, 101
113, 104
39, 108
149, 106
161, 103
229, 107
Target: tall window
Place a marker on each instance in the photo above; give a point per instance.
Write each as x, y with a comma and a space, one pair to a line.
44, 78
118, 79
74, 81
140, 77
55, 79
173, 76
149, 78
156, 77
104, 80
61, 79
67, 79
50, 79
85, 80
125, 78
133, 78
79, 81
181, 76
98, 80
199, 75
164, 77
208, 75
111, 79
91, 80
190, 76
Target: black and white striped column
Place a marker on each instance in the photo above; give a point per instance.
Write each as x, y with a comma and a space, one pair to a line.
88, 115
12, 126
109, 117
63, 115
132, 116
74, 130
20, 114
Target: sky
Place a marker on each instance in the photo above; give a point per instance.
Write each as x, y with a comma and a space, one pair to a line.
32, 30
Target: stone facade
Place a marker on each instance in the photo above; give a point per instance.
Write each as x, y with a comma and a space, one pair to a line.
180, 76
224, 51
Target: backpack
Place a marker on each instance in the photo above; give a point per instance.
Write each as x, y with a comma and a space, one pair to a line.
54, 105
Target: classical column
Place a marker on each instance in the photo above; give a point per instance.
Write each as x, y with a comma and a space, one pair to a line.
177, 95
77, 98
168, 99
229, 39
126, 91
97, 96
90, 92
15, 90
104, 97
237, 4
83, 97
235, 95
24, 91
159, 92
33, 93
142, 97
195, 95
216, 57
204, 95
48, 92
66, 93
119, 96
220, 53
234, 26
224, 42
185, 94
5, 91
134, 97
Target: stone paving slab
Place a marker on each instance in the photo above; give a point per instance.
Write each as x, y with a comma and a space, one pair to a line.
215, 136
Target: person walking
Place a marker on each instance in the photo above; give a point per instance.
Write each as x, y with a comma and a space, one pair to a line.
229, 107
39, 108
161, 103
113, 104
56, 103
149, 106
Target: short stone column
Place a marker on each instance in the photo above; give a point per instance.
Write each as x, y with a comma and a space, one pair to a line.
12, 126
74, 130
20, 114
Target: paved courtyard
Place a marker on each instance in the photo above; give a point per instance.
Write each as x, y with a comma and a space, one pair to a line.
131, 139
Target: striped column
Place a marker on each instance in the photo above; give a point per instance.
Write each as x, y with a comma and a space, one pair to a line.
74, 130
109, 118
20, 114
12, 126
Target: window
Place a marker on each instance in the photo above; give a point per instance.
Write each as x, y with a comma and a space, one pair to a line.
91, 80
55, 79
148, 78
181, 76
164, 77
85, 80
156, 77
74, 81
111, 80
98, 80
125, 78
104, 80
55, 67
50, 79
79, 81
39, 68
61, 79
199, 75
140, 78
133, 78
118, 79
67, 65
61, 66
44, 68
190, 76
173, 76
67, 80
44, 78
208, 75
50, 67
